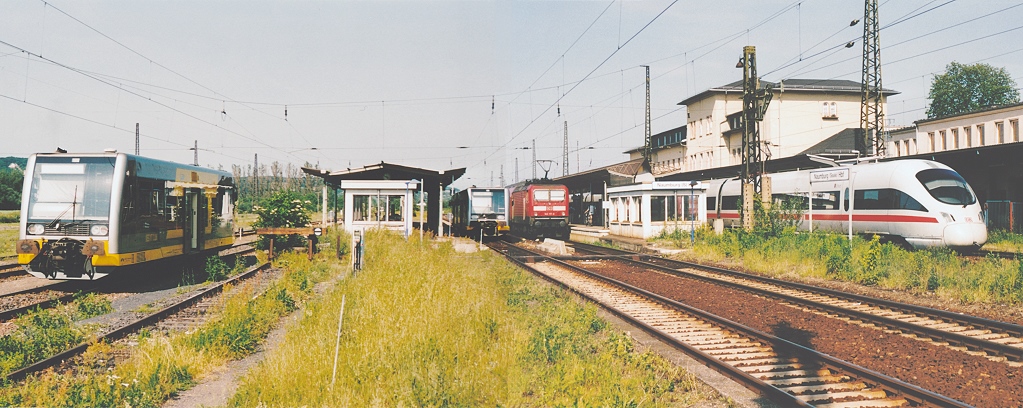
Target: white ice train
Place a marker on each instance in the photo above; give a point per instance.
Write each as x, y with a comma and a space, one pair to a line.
916, 202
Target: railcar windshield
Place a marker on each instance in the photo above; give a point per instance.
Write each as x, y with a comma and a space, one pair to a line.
488, 202
947, 186
65, 188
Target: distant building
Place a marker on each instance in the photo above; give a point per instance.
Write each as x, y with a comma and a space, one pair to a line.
804, 115
987, 127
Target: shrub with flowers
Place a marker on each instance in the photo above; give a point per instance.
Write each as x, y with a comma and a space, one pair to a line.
282, 209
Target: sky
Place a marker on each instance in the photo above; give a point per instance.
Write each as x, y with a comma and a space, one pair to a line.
439, 84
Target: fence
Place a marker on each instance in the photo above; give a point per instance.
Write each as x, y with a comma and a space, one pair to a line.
1004, 215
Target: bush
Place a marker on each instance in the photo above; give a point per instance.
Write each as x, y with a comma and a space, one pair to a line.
283, 209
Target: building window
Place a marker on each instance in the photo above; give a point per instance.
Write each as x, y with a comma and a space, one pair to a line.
930, 140
955, 138
829, 110
980, 136
969, 137
1014, 125
999, 132
898, 148
941, 142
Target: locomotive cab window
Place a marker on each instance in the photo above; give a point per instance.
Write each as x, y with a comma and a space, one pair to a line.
65, 190
488, 202
946, 186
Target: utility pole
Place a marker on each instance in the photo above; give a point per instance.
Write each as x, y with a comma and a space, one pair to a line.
195, 160
255, 176
136, 138
647, 146
502, 175
516, 169
754, 105
871, 112
534, 159
577, 169
564, 154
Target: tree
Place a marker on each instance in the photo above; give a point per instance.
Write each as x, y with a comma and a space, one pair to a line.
967, 88
10, 189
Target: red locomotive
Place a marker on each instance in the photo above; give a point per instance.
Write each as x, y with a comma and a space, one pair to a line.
540, 210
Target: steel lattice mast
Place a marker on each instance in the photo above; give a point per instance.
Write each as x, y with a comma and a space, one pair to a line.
754, 106
871, 108
647, 146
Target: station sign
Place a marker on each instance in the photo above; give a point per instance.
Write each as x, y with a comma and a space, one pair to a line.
822, 176
676, 185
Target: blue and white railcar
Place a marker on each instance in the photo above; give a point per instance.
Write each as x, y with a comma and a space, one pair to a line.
921, 203
480, 212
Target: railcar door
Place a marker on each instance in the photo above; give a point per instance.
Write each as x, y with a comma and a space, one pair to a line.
192, 226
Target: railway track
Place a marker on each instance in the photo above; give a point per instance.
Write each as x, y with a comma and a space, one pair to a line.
147, 321
9, 269
60, 292
786, 372
998, 341
43, 297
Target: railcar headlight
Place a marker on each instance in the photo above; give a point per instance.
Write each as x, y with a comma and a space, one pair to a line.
948, 217
99, 230
474, 217
36, 229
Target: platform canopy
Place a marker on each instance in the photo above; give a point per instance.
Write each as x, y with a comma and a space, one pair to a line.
434, 182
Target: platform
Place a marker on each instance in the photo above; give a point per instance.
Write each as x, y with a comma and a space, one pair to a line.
594, 234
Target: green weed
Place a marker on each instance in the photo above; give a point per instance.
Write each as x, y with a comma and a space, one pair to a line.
216, 269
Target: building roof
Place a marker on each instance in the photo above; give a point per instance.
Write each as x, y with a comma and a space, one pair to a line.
388, 171
790, 85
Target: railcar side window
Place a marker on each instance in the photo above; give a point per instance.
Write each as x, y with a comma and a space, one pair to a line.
730, 203
712, 203
886, 199
826, 200
947, 186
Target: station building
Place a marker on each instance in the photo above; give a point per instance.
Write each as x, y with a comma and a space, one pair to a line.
381, 195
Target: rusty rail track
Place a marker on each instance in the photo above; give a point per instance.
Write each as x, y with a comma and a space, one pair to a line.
788, 373
1000, 341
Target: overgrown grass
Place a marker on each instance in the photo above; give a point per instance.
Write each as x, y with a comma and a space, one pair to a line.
43, 333
8, 238
868, 262
9, 216
163, 365
1004, 241
430, 327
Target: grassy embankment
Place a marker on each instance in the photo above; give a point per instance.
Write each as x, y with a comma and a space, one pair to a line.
161, 365
869, 262
426, 326
8, 232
